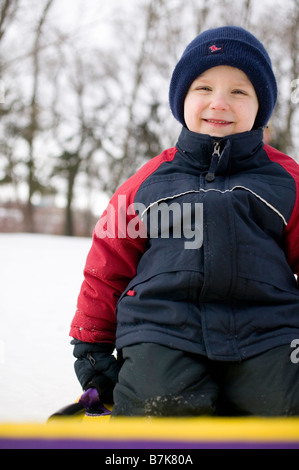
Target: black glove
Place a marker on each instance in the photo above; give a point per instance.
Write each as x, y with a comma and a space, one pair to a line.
96, 367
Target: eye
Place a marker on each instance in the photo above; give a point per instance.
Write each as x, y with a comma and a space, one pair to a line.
203, 88
239, 92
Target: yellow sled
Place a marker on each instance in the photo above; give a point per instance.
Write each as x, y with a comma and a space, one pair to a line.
86, 432
74, 428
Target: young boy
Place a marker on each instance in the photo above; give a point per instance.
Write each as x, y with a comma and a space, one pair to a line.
191, 274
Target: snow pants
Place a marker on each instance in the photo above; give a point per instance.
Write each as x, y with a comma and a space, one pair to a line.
159, 381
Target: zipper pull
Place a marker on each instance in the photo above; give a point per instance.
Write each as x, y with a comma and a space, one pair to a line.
214, 162
216, 149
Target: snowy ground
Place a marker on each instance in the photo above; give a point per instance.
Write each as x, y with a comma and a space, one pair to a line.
40, 278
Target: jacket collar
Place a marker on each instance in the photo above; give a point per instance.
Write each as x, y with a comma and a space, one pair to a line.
236, 151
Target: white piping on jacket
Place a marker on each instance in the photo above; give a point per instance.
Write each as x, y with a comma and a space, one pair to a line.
219, 191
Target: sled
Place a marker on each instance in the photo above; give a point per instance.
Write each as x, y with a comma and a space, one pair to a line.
79, 431
76, 426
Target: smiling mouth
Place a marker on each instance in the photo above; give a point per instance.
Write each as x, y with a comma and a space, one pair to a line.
217, 121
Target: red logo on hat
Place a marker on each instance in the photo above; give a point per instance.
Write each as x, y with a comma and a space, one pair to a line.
214, 48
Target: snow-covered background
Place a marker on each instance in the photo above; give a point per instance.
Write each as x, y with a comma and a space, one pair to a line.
40, 278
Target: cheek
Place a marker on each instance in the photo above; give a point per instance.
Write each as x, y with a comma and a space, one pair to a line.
247, 113
193, 107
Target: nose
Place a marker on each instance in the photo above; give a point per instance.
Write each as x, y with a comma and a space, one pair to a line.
219, 102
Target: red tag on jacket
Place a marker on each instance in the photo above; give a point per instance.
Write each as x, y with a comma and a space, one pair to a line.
131, 293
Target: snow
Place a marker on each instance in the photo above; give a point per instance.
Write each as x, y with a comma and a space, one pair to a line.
40, 279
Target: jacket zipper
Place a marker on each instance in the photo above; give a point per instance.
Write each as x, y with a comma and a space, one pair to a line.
214, 162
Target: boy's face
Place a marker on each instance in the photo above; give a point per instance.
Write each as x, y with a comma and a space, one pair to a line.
220, 102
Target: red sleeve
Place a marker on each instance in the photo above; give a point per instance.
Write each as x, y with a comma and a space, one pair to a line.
291, 232
119, 240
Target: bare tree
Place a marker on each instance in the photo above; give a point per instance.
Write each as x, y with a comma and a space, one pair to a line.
283, 46
23, 123
20, 115
8, 10
121, 167
29, 133
284, 135
86, 130
142, 128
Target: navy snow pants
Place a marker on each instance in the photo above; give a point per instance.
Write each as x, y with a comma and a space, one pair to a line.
159, 381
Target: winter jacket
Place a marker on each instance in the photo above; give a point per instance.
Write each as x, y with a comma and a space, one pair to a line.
224, 285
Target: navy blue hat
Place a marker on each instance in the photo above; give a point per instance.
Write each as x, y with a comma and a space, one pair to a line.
228, 45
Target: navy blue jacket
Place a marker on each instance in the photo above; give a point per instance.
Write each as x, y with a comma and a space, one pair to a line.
209, 264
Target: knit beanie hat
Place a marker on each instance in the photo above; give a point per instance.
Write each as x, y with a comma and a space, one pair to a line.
228, 45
